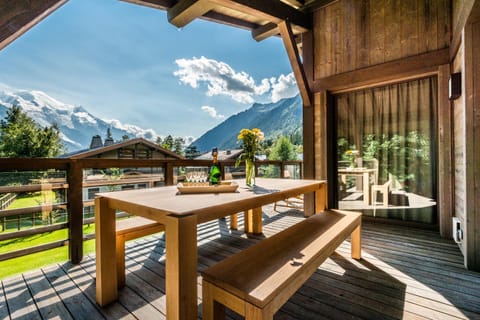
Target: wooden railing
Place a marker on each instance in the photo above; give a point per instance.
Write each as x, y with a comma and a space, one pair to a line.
68, 179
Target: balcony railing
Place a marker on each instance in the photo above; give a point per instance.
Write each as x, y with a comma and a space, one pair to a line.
57, 194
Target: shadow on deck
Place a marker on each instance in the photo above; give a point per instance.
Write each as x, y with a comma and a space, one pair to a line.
404, 273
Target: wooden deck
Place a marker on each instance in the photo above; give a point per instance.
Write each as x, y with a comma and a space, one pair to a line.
404, 273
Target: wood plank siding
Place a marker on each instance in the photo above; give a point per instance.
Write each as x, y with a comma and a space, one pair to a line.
352, 34
404, 273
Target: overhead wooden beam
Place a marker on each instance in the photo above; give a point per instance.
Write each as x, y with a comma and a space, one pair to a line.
394, 71
465, 7
271, 10
17, 17
295, 3
185, 11
156, 4
293, 56
265, 31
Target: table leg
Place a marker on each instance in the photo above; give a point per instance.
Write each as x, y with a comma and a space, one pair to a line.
181, 266
106, 269
253, 221
234, 221
366, 188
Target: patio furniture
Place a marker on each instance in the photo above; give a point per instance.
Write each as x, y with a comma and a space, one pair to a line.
180, 214
129, 229
359, 172
383, 189
257, 281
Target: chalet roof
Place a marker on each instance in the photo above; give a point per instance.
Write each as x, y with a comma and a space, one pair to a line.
86, 153
222, 155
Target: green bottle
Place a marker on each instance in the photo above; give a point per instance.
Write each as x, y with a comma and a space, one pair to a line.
215, 172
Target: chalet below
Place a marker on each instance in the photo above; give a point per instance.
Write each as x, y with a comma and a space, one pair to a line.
138, 148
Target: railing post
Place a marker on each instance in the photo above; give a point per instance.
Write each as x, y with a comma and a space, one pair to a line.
168, 174
282, 170
75, 211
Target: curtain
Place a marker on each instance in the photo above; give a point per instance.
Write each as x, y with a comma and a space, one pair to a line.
394, 125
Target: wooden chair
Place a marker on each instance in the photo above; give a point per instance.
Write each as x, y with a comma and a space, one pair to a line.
384, 189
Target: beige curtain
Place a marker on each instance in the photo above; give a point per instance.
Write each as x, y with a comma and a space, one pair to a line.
394, 124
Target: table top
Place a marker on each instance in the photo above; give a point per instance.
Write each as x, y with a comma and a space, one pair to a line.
155, 203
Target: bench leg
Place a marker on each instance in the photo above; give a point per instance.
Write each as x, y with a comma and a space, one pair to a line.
120, 261
356, 242
255, 313
234, 221
211, 309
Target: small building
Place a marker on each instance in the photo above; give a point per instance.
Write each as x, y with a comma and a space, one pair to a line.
222, 155
116, 179
138, 148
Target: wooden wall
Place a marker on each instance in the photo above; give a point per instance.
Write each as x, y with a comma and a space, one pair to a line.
459, 146
353, 34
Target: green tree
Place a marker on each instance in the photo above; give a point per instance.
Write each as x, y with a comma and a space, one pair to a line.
168, 143
125, 137
283, 149
109, 133
20, 136
191, 152
178, 145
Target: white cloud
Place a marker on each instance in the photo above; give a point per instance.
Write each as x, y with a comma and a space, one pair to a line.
220, 78
284, 87
212, 112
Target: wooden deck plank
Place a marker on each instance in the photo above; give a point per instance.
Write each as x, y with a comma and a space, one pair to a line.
86, 283
4, 314
46, 299
19, 300
404, 274
74, 300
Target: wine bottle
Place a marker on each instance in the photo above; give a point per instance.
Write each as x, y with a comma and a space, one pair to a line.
215, 172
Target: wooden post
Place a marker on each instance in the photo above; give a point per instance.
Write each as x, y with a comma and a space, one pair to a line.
75, 211
168, 173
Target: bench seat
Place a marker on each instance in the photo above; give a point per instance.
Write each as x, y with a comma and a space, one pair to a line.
129, 229
257, 281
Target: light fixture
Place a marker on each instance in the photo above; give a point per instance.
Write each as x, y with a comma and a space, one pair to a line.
455, 86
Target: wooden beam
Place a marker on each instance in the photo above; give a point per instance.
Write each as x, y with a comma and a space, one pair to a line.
265, 31
444, 154
271, 10
297, 67
17, 17
389, 72
185, 11
465, 9
295, 3
156, 4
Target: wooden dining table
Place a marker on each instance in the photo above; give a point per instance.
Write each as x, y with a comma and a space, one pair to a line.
180, 214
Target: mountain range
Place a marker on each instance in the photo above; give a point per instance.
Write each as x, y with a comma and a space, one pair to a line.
274, 119
77, 125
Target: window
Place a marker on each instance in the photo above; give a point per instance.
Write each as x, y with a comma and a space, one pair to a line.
385, 150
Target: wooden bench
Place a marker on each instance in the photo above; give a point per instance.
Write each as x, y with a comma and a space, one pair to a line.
257, 281
129, 229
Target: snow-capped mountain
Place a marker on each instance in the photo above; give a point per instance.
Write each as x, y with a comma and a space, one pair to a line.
76, 124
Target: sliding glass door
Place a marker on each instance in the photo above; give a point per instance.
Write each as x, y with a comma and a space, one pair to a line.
385, 150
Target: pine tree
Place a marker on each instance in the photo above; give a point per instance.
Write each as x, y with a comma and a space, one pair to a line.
21, 136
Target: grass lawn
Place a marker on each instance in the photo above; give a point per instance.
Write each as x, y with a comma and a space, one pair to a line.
33, 199
37, 260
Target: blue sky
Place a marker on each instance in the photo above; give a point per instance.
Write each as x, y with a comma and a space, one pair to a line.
126, 62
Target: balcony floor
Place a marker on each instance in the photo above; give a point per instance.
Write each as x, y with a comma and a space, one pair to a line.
404, 273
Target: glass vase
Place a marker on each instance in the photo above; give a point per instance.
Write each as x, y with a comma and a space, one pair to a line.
250, 173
